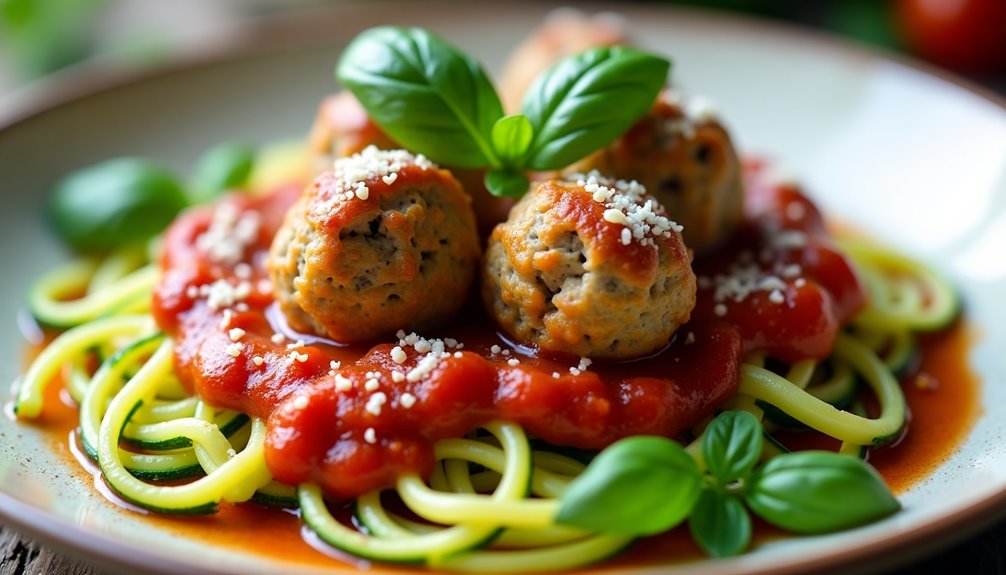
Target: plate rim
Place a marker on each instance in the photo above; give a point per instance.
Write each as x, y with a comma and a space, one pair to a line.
96, 77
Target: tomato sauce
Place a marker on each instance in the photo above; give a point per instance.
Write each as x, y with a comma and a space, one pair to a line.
793, 296
942, 394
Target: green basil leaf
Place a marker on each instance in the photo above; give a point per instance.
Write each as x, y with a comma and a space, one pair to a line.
506, 182
115, 203
638, 486
511, 137
586, 101
223, 167
731, 446
819, 492
424, 93
720, 524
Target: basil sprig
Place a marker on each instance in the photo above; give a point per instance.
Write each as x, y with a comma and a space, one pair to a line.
638, 486
433, 99
643, 485
127, 201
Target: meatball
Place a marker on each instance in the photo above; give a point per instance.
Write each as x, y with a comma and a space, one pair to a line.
565, 31
589, 267
384, 241
343, 127
684, 158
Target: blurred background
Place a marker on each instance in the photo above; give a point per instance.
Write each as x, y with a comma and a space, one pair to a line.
38, 37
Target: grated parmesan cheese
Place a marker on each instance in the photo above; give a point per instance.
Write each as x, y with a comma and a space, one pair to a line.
627, 204
376, 402
352, 176
230, 233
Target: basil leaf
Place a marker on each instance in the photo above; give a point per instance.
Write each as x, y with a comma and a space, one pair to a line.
223, 167
731, 446
638, 486
115, 203
511, 137
424, 93
819, 492
720, 524
506, 182
584, 102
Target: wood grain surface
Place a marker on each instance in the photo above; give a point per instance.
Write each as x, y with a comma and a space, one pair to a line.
984, 554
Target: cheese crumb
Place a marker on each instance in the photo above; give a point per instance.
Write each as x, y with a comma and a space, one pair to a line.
342, 383
407, 400
513, 362
230, 233
397, 376
225, 321
615, 216
435, 350
234, 349
398, 355
776, 297
371, 384
258, 360
277, 338
236, 333
370, 436
375, 402
626, 203
720, 310
352, 176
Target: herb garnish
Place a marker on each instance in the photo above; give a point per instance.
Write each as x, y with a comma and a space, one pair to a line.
433, 99
644, 485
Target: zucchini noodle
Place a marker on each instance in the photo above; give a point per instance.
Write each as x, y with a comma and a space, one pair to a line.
491, 502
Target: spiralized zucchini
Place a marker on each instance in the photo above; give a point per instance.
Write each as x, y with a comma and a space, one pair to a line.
491, 503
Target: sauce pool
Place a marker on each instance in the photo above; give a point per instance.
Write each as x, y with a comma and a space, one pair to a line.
353, 419
942, 393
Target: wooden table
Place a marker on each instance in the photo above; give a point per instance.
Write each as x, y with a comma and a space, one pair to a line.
984, 554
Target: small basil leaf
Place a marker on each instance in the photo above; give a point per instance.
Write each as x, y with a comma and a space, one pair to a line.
223, 167
731, 445
506, 183
720, 524
638, 486
586, 101
819, 492
424, 93
115, 203
511, 137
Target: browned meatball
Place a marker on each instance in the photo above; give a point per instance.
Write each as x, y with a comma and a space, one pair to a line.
684, 158
382, 242
589, 267
343, 127
565, 31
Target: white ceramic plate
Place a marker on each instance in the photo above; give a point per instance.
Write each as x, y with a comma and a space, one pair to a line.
916, 160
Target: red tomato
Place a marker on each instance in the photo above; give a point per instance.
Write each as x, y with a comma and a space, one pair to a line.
964, 35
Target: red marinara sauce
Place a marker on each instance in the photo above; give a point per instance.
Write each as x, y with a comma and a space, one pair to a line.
338, 417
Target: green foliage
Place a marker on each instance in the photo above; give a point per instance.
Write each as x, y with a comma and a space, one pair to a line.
433, 99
